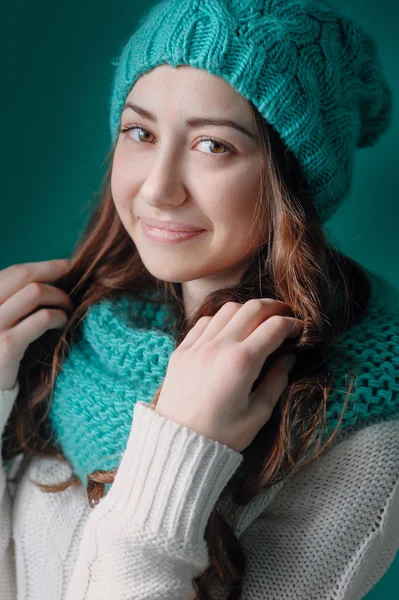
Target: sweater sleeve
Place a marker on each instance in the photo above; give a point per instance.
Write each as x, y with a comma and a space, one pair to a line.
333, 530
145, 538
7, 562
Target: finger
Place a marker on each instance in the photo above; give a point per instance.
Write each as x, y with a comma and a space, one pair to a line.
219, 321
269, 392
245, 320
195, 332
270, 335
30, 329
16, 277
28, 299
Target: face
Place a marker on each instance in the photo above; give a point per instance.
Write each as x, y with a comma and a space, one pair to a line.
206, 175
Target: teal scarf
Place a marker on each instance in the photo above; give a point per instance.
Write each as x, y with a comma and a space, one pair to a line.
121, 358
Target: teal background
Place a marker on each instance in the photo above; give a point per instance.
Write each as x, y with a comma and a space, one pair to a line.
55, 94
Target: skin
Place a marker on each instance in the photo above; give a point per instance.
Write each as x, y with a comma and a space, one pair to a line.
165, 170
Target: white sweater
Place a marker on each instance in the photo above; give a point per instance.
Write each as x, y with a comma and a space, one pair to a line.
329, 532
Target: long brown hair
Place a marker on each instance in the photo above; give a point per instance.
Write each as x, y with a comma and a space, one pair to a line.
295, 264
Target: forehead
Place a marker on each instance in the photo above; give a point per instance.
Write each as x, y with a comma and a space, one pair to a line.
194, 88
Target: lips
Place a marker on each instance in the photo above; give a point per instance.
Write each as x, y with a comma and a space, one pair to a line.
170, 225
166, 236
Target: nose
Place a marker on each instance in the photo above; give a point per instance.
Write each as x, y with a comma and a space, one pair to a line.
163, 183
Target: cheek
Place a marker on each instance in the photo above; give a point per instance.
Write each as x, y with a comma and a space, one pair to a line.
243, 187
235, 205
241, 221
122, 183
115, 177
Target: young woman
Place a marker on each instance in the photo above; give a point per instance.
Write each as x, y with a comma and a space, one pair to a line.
156, 441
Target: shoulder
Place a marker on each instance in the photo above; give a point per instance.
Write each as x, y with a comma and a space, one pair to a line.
366, 356
382, 307
369, 455
351, 484
359, 473
343, 509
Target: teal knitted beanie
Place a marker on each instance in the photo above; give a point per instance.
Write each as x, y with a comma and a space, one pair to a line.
314, 74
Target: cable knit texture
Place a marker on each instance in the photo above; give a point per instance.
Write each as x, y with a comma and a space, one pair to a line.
122, 356
311, 71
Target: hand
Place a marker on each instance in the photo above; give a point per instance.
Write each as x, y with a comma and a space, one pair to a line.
21, 293
210, 374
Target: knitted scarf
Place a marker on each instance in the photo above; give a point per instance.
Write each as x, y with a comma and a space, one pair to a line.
122, 356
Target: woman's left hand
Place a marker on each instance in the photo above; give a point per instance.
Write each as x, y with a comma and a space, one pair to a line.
210, 374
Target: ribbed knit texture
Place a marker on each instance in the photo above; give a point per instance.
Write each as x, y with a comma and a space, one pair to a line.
122, 358
312, 72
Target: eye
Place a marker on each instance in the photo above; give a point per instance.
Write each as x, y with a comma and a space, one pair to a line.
215, 143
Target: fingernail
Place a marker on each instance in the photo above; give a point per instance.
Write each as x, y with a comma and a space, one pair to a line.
290, 361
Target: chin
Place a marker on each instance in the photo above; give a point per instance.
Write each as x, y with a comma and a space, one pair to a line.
174, 275
163, 275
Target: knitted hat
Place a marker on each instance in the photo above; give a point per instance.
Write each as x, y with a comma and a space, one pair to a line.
314, 74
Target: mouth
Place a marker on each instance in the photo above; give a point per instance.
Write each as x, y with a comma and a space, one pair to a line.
167, 236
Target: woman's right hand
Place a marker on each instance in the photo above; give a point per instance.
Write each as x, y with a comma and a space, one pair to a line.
22, 291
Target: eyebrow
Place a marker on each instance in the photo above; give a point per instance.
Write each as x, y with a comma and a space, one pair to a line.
193, 121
